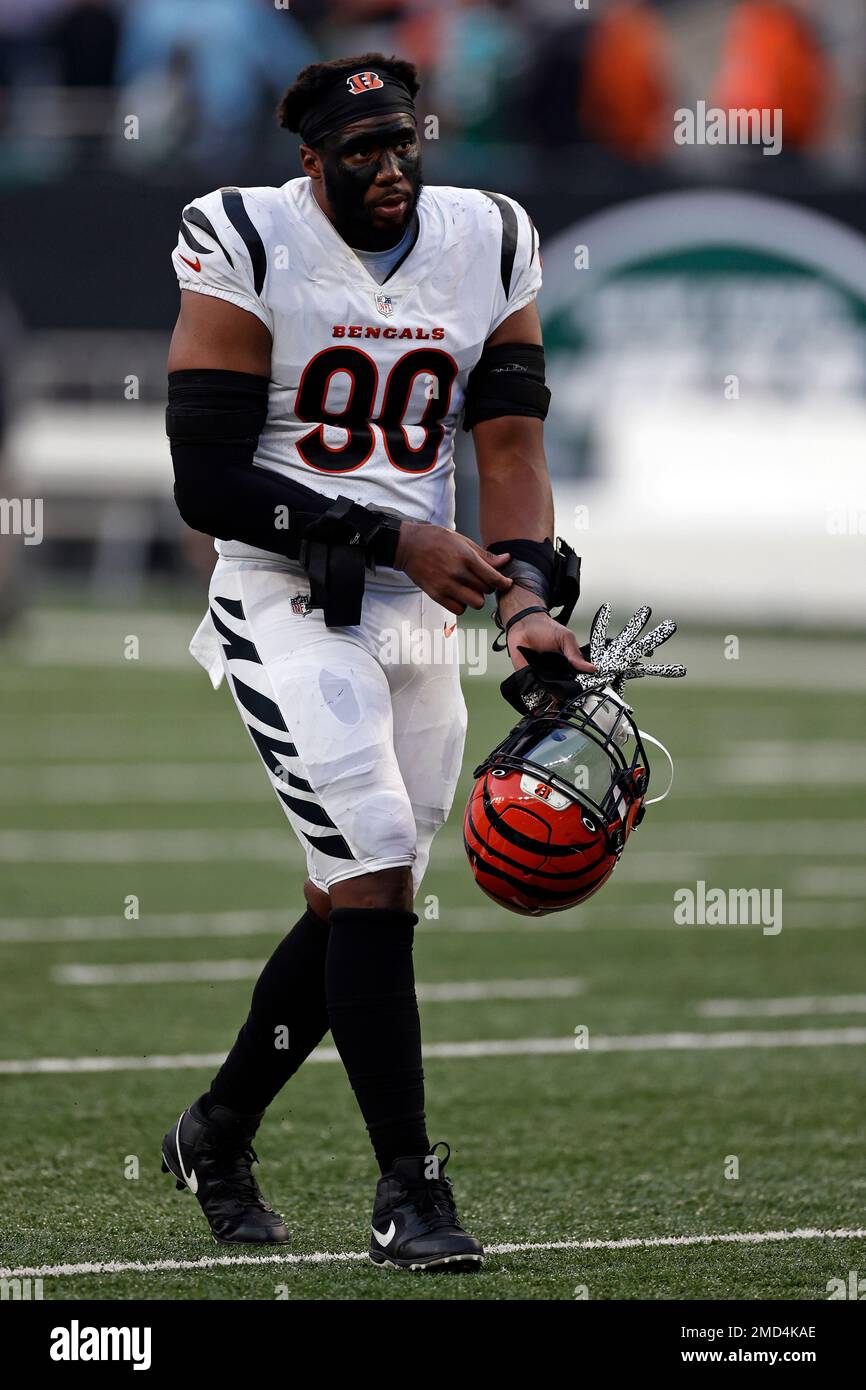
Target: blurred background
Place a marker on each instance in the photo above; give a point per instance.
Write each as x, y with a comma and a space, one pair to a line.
704, 306
705, 319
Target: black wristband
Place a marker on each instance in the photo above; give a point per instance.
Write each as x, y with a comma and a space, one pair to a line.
501, 642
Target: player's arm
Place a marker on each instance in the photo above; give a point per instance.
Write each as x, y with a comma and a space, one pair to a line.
515, 493
219, 366
211, 334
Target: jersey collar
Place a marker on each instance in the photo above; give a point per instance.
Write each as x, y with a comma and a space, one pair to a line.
405, 274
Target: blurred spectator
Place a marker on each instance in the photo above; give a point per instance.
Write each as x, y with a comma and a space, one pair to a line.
475, 51
625, 93
203, 75
84, 39
163, 98
603, 79
233, 52
772, 59
24, 57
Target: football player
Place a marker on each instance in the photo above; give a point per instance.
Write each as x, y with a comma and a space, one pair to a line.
333, 332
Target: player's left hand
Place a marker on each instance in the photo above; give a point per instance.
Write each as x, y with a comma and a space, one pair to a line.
541, 633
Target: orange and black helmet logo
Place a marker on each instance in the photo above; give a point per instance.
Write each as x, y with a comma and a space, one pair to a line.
361, 82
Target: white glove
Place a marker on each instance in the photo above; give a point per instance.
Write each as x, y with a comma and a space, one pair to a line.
620, 659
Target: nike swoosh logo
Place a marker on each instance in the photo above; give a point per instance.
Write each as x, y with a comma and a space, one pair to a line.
387, 1237
196, 264
189, 1177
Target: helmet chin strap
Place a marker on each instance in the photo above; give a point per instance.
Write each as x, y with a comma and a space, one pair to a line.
648, 738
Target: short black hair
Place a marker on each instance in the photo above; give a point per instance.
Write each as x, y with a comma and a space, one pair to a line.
312, 81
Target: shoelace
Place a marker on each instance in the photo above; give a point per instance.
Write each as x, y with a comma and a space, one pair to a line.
435, 1205
237, 1177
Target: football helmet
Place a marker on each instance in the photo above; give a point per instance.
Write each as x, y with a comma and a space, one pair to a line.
554, 804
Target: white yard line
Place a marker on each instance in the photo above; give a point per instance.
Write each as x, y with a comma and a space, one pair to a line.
692, 843
96, 638
755, 766
783, 1008
504, 1248
832, 881
492, 1047
214, 971
112, 783
148, 846
694, 840
600, 916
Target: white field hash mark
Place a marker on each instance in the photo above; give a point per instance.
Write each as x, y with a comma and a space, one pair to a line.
456, 1051
506, 1248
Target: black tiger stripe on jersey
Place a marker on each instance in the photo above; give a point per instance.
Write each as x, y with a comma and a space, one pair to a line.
334, 845
204, 224
509, 238
299, 784
194, 245
259, 706
232, 606
307, 810
236, 648
240, 219
268, 712
267, 744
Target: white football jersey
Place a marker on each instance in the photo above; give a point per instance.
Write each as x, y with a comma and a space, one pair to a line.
368, 380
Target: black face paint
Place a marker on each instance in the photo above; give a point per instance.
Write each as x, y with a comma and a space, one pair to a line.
348, 184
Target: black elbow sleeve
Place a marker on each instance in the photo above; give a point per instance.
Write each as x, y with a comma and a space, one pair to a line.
507, 380
213, 421
195, 495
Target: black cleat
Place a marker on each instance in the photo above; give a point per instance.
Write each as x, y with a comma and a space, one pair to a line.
212, 1155
415, 1222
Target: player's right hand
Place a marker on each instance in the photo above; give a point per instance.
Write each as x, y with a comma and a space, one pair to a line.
449, 567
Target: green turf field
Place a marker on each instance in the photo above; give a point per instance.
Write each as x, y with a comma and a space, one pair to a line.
125, 778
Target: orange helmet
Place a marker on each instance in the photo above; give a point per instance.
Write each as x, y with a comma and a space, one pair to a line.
554, 804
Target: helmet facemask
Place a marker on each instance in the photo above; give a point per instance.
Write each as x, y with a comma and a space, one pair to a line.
589, 753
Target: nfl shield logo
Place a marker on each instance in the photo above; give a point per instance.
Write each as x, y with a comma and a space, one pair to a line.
385, 304
301, 605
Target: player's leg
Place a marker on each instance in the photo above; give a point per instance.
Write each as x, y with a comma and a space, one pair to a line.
337, 700
370, 980
375, 1024
317, 706
212, 1139
287, 1019
209, 1148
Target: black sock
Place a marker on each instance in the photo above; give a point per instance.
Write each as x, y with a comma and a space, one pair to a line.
370, 985
288, 1018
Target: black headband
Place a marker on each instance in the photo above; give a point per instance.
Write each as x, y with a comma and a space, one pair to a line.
351, 99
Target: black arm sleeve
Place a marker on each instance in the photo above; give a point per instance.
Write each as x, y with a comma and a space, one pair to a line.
507, 380
213, 421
